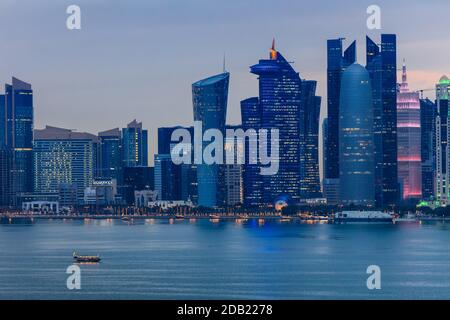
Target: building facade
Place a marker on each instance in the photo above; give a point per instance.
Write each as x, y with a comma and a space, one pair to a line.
110, 155
337, 61
356, 145
428, 147
16, 135
135, 145
210, 97
382, 67
63, 157
409, 141
442, 150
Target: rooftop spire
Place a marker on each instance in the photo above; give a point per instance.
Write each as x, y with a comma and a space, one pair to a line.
404, 84
273, 52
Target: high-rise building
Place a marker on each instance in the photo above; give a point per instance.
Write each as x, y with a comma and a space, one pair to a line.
174, 181
135, 145
232, 172
428, 146
63, 157
252, 180
382, 67
309, 141
337, 62
442, 150
110, 155
280, 106
356, 156
16, 134
409, 141
209, 97
5, 167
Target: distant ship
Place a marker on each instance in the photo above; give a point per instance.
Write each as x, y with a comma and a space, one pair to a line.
363, 216
92, 259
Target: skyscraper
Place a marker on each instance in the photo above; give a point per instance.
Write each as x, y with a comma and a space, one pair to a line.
16, 135
428, 146
337, 62
252, 180
110, 155
382, 67
280, 106
174, 181
442, 150
409, 141
309, 141
63, 157
135, 145
356, 157
209, 97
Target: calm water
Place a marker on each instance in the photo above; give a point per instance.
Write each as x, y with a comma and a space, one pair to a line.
154, 259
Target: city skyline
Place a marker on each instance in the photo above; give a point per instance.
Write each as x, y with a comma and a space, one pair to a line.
72, 80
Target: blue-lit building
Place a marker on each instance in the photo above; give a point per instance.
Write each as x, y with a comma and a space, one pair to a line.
287, 103
428, 114
337, 61
135, 145
210, 97
110, 155
280, 103
16, 136
356, 146
252, 180
174, 182
382, 67
309, 141
63, 157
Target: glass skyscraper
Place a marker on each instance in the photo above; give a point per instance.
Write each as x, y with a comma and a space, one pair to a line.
409, 141
382, 67
16, 135
110, 155
428, 146
252, 180
442, 150
337, 62
210, 97
63, 157
135, 145
309, 141
280, 106
356, 156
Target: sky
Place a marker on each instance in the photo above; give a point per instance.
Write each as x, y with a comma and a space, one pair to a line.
138, 58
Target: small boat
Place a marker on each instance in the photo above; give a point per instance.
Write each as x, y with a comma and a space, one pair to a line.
91, 259
179, 217
285, 219
214, 216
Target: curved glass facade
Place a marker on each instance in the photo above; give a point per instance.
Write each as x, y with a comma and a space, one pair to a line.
209, 98
356, 149
409, 141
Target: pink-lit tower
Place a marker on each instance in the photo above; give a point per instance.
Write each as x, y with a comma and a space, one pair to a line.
409, 141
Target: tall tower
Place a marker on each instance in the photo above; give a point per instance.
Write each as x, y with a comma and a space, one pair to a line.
279, 108
409, 141
135, 145
356, 155
442, 150
210, 97
336, 65
382, 67
18, 136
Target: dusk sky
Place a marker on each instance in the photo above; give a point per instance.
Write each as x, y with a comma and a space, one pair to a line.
138, 58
